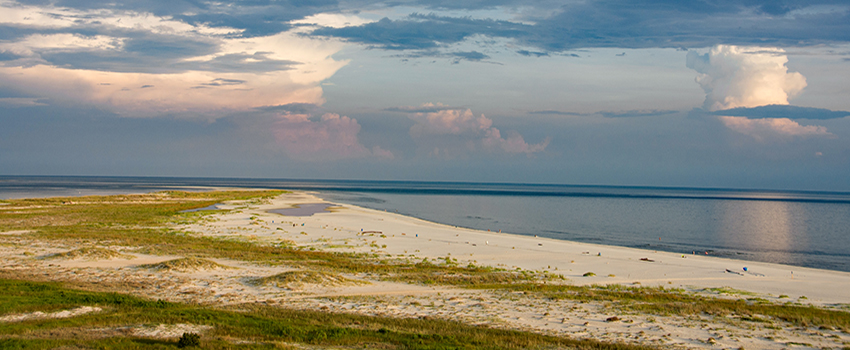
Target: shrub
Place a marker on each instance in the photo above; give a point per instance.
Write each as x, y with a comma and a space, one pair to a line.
189, 339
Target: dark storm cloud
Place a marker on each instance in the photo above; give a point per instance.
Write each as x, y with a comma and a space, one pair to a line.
623, 24
782, 111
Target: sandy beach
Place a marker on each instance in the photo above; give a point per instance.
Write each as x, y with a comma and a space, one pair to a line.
353, 229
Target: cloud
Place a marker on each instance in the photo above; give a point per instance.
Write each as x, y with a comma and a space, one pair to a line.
424, 108
636, 113
470, 55
557, 27
20, 101
294, 108
514, 143
104, 55
554, 112
764, 129
421, 32
742, 82
224, 82
450, 133
783, 111
455, 56
610, 114
735, 76
532, 53
332, 137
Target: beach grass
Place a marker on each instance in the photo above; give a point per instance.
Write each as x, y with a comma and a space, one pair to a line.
142, 221
145, 223
187, 264
90, 253
251, 326
662, 301
299, 278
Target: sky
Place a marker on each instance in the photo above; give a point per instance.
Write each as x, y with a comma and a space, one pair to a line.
712, 93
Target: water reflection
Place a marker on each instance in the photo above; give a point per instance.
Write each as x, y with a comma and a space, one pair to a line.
765, 228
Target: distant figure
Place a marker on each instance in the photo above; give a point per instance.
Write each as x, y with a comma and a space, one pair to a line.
487, 242
417, 235
600, 254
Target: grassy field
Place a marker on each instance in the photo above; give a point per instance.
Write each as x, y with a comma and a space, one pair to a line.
243, 326
145, 223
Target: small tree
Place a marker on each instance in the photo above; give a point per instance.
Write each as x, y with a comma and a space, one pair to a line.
189, 339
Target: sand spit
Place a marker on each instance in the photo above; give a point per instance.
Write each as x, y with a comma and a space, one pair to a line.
391, 236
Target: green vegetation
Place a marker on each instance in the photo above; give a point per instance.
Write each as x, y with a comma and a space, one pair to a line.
242, 326
94, 253
142, 221
188, 264
291, 279
661, 301
189, 339
145, 223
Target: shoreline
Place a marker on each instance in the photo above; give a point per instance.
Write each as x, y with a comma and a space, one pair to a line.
574, 259
384, 238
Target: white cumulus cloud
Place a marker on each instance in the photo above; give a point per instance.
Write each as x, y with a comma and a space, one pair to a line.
735, 76
748, 77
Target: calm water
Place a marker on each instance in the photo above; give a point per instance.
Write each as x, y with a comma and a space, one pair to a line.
798, 228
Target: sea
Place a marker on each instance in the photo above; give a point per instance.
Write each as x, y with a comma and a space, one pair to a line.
798, 228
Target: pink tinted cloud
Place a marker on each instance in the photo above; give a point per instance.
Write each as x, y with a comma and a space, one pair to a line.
450, 132
513, 144
762, 129
453, 122
332, 137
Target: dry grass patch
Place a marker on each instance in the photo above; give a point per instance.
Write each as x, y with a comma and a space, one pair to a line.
188, 264
95, 253
298, 278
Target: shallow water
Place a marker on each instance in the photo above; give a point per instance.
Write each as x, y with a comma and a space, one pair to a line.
303, 209
811, 234
809, 229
